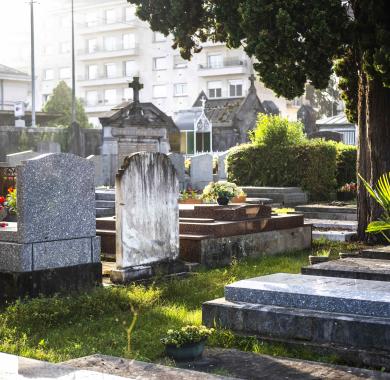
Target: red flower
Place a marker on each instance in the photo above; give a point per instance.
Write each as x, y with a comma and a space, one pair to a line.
3, 224
2, 200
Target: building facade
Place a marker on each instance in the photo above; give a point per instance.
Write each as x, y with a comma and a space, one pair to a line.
113, 46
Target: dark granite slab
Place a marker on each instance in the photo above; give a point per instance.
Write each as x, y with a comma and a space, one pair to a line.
358, 268
336, 295
381, 253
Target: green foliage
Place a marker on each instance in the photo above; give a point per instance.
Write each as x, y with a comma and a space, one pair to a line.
310, 165
346, 164
381, 194
61, 102
186, 334
276, 131
214, 190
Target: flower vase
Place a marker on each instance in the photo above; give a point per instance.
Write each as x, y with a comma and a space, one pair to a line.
223, 201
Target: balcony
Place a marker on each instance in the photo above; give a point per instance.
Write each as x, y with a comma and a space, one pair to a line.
101, 26
229, 66
100, 52
102, 80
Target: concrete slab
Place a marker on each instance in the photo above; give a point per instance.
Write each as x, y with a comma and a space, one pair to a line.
358, 268
334, 235
319, 293
381, 253
331, 224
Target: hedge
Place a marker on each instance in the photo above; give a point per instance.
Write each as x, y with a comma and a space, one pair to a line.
346, 164
310, 165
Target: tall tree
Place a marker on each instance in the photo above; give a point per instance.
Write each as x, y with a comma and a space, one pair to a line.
298, 41
61, 102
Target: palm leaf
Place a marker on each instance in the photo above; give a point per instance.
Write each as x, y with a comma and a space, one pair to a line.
371, 191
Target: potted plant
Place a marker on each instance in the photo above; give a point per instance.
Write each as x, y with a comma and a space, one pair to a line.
222, 192
186, 343
347, 192
189, 196
320, 257
240, 198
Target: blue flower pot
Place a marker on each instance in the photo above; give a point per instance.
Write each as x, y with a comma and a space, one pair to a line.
187, 352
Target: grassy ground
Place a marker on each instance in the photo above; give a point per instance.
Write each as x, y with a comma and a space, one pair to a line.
61, 328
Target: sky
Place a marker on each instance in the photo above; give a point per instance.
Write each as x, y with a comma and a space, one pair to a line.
15, 30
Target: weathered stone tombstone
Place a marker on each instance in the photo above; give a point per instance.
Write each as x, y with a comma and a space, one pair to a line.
201, 171
98, 166
222, 172
147, 215
53, 247
48, 147
15, 159
178, 161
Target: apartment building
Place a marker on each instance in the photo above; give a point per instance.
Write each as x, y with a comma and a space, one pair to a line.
113, 45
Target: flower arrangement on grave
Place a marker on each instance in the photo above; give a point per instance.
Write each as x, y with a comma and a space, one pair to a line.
186, 343
190, 196
222, 192
3, 211
11, 202
347, 192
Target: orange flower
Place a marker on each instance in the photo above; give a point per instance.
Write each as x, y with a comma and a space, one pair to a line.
10, 189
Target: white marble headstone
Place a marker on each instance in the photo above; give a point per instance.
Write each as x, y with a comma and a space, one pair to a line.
147, 227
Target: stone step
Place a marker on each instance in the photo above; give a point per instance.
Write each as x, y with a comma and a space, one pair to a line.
327, 209
285, 195
318, 293
100, 212
105, 204
358, 268
334, 235
105, 195
270, 190
196, 220
349, 225
301, 325
381, 253
105, 223
108, 241
329, 216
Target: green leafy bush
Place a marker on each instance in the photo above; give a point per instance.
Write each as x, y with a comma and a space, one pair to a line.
276, 131
186, 335
346, 164
310, 165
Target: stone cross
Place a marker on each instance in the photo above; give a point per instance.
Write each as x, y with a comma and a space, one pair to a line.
203, 101
136, 86
252, 79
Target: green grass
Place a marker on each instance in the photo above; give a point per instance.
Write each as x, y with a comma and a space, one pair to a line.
62, 328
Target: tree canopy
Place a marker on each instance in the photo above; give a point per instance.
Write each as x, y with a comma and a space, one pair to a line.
61, 102
294, 42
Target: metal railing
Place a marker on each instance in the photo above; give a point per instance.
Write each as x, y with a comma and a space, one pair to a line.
227, 62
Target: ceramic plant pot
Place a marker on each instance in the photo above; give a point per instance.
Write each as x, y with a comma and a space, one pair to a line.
223, 201
187, 352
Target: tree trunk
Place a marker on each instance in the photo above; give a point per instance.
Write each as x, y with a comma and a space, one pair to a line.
374, 145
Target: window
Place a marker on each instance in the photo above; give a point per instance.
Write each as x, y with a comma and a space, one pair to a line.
160, 63
110, 16
110, 96
180, 89
92, 72
65, 73
111, 71
179, 62
160, 91
65, 47
92, 45
215, 89
127, 93
158, 37
49, 74
92, 98
214, 61
235, 88
129, 14
91, 19
110, 43
129, 41
130, 68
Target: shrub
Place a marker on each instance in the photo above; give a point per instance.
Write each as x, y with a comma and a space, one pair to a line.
310, 165
346, 164
275, 131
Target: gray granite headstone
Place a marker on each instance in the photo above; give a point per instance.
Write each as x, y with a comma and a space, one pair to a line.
178, 161
147, 211
201, 170
56, 198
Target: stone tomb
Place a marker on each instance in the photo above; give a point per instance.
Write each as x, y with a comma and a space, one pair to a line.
350, 317
147, 215
53, 247
201, 171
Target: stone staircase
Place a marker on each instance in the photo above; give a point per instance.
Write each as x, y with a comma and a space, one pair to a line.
105, 203
331, 222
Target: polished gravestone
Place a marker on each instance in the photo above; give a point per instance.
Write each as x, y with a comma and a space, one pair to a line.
53, 247
352, 267
352, 316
